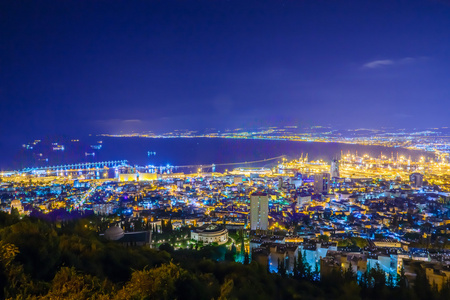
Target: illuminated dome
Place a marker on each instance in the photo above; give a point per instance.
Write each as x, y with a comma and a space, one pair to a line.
114, 233
16, 203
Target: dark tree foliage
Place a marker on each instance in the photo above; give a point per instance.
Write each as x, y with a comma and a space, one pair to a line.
246, 259
422, 287
303, 268
281, 268
166, 247
39, 260
349, 274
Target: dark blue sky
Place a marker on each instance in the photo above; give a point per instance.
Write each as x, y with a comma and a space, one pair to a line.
105, 66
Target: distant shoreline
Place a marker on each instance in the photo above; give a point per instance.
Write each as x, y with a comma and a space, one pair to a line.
192, 150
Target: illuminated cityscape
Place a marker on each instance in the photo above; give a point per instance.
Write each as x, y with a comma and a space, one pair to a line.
225, 150
390, 211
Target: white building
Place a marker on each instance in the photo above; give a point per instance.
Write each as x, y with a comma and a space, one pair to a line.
210, 233
334, 168
259, 211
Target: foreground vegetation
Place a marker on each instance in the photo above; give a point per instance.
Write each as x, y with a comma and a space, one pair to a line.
68, 260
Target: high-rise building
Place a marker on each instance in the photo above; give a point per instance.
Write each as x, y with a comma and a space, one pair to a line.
297, 182
303, 198
280, 183
321, 183
334, 168
259, 211
416, 180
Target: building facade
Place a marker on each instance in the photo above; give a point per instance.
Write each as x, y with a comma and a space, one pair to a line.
321, 183
334, 170
210, 233
416, 180
259, 211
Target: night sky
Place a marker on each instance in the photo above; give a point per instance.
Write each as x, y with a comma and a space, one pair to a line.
71, 67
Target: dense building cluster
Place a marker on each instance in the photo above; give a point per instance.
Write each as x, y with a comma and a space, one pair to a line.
274, 216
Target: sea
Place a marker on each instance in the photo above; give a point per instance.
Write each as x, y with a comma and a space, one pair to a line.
180, 151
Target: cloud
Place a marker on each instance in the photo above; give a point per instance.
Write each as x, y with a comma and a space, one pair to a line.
117, 121
378, 64
132, 121
390, 62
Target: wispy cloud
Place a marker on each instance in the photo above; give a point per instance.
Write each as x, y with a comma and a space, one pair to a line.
378, 64
120, 121
389, 62
132, 121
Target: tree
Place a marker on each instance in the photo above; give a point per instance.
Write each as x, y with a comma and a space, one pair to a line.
401, 279
7, 254
246, 259
375, 282
324, 238
13, 281
315, 275
445, 290
364, 280
281, 268
359, 242
38, 244
225, 289
350, 290
390, 281
166, 247
349, 274
295, 269
8, 219
303, 267
231, 255
156, 283
242, 253
378, 276
70, 284
306, 270
422, 287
